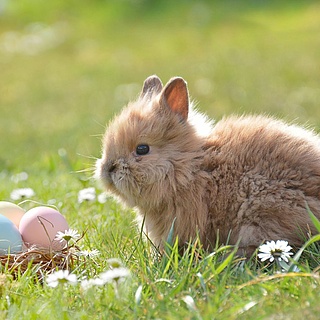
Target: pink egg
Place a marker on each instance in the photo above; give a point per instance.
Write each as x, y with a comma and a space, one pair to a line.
40, 225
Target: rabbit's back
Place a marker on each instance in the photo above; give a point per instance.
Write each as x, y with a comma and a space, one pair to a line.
265, 173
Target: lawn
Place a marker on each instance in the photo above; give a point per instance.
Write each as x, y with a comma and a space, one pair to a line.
68, 66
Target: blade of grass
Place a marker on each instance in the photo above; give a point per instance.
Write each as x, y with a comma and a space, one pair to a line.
313, 218
299, 253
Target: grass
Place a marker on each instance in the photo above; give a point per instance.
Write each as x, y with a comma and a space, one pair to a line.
68, 66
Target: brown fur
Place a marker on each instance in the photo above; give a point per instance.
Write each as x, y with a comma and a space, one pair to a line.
248, 180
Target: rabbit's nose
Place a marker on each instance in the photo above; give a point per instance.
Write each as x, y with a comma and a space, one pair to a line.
111, 168
107, 168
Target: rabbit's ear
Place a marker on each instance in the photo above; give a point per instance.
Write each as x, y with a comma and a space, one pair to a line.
152, 85
175, 96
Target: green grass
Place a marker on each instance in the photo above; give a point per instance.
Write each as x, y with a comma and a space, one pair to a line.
57, 94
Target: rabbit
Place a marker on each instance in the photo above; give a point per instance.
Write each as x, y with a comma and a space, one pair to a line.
241, 181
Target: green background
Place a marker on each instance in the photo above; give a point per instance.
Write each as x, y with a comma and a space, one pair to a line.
68, 66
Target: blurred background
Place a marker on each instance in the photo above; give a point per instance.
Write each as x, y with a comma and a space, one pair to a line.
66, 67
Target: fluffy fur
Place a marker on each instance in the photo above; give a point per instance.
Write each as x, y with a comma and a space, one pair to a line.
245, 179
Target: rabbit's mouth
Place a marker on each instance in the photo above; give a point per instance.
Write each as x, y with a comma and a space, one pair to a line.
116, 180
114, 175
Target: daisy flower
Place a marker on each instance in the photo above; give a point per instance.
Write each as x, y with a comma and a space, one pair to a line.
102, 198
114, 263
22, 176
275, 250
89, 253
115, 274
67, 235
89, 283
22, 193
61, 277
87, 194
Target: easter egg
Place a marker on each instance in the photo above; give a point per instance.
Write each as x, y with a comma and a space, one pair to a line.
40, 225
10, 238
11, 211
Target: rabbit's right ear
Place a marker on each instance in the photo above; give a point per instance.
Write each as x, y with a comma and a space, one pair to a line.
152, 86
175, 96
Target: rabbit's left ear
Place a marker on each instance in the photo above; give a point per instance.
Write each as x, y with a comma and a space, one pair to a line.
175, 96
152, 86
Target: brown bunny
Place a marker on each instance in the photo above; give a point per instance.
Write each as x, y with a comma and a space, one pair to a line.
245, 179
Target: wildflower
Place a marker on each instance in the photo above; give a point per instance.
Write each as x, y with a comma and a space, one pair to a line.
275, 250
114, 263
116, 274
61, 277
22, 193
89, 253
67, 235
22, 176
87, 194
89, 283
102, 198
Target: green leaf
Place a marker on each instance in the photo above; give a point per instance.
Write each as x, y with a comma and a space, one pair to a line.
171, 232
299, 253
314, 219
225, 263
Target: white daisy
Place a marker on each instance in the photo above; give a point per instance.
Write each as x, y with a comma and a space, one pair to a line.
22, 193
67, 235
275, 250
102, 198
109, 276
87, 194
89, 283
115, 274
22, 176
61, 277
89, 253
114, 263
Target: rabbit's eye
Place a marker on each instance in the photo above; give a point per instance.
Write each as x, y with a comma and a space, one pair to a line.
142, 149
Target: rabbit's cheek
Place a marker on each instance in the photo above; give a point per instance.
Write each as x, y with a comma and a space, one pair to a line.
141, 178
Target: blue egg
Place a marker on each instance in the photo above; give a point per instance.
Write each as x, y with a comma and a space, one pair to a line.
10, 238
